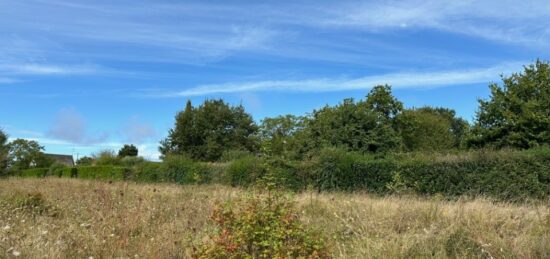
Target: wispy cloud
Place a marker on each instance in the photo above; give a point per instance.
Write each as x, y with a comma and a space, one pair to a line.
504, 21
48, 69
397, 80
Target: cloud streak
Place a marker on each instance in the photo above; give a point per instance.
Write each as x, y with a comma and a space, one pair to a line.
397, 80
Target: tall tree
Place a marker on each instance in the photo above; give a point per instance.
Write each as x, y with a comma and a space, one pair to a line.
128, 150
207, 131
518, 113
24, 154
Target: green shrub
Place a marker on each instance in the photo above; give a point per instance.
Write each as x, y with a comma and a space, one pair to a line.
103, 172
246, 171
507, 175
183, 170
262, 226
56, 169
148, 172
337, 169
230, 155
35, 172
130, 161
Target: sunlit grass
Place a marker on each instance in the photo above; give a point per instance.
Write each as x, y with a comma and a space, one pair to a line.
68, 218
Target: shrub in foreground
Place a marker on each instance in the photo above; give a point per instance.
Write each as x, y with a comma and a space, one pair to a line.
261, 226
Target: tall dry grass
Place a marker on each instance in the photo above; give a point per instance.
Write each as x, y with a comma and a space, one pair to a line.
68, 218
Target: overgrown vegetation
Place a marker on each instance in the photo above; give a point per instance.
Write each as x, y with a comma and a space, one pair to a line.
264, 225
71, 218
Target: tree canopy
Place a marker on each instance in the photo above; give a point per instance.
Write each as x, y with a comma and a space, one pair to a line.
205, 132
24, 154
128, 150
518, 113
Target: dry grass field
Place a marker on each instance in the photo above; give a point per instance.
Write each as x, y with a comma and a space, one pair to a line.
68, 218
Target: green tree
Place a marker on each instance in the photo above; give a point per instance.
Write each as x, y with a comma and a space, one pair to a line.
3, 153
207, 131
381, 101
128, 150
24, 154
429, 129
518, 113
277, 134
366, 125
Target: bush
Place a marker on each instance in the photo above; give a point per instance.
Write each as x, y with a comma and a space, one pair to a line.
183, 170
262, 226
103, 172
34, 172
507, 175
230, 155
148, 172
130, 161
337, 169
246, 171
57, 169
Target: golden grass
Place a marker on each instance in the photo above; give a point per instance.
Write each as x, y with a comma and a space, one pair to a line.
68, 218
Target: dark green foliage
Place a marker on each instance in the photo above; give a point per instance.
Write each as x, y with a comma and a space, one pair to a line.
4, 149
246, 171
205, 132
506, 175
262, 226
230, 155
518, 112
336, 169
24, 154
128, 151
183, 170
366, 126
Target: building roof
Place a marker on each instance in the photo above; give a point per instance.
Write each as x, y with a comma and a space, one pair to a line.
64, 159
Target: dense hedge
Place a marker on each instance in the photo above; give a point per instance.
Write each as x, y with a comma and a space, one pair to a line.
503, 175
507, 175
336, 169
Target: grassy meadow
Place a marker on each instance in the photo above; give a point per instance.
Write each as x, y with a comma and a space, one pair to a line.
71, 218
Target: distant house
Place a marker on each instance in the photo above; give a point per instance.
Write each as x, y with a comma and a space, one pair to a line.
62, 159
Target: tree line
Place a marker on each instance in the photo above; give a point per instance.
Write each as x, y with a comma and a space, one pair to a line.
516, 115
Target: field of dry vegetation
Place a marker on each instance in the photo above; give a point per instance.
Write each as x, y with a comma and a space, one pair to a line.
69, 218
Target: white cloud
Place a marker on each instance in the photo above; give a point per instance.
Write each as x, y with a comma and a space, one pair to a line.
71, 126
397, 80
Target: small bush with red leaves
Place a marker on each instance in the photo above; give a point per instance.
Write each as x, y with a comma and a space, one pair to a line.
261, 226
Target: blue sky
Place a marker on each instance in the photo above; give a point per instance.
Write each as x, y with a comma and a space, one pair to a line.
80, 76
